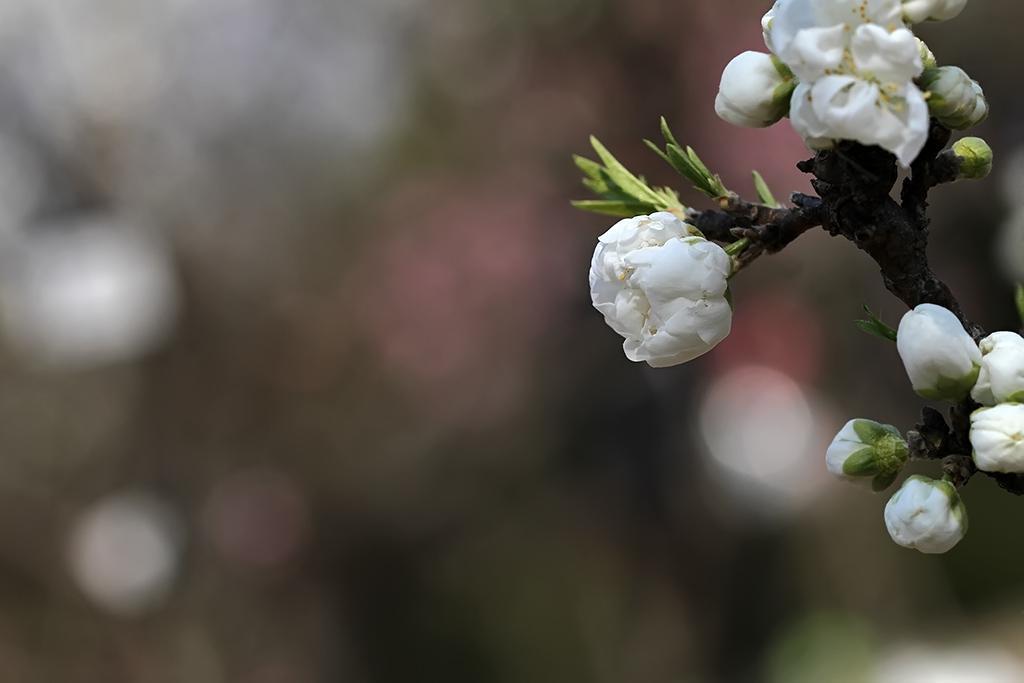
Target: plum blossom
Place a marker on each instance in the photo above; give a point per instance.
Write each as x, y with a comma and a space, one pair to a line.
856, 62
662, 287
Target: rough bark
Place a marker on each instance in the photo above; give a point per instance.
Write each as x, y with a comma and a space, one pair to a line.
855, 201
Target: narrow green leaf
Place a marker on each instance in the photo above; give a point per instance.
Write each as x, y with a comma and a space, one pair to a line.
874, 325
609, 207
1020, 302
671, 198
697, 163
625, 180
666, 133
737, 247
764, 193
657, 150
685, 167
590, 168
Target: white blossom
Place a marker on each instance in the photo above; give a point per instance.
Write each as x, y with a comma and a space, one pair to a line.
916, 11
867, 452
941, 359
754, 91
997, 435
662, 287
926, 515
1001, 378
856, 62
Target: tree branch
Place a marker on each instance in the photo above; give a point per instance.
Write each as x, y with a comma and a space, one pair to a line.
854, 185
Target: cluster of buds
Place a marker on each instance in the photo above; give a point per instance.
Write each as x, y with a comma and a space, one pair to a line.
851, 70
943, 362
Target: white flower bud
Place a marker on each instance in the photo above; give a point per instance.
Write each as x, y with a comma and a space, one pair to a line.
867, 452
755, 90
1001, 378
916, 11
957, 101
997, 435
663, 288
926, 515
941, 359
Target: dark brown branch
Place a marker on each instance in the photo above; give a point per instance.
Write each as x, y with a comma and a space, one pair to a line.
855, 186
769, 229
855, 183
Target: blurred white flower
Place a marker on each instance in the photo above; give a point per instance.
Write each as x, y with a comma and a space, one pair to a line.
662, 288
941, 359
867, 452
1001, 378
926, 515
124, 553
916, 11
856, 62
945, 664
755, 90
768, 463
91, 292
997, 436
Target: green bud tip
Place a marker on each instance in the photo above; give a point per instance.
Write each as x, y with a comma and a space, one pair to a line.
975, 158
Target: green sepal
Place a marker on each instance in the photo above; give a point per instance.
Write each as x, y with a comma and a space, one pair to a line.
862, 463
870, 432
951, 389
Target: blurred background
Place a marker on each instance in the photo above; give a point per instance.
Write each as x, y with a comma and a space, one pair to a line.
301, 381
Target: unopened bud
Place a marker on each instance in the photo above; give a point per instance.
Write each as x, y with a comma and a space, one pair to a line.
975, 157
957, 101
941, 359
867, 452
926, 515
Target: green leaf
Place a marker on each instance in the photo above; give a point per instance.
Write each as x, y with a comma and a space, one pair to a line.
590, 168
666, 133
657, 150
1020, 302
611, 207
764, 193
874, 325
619, 175
688, 164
